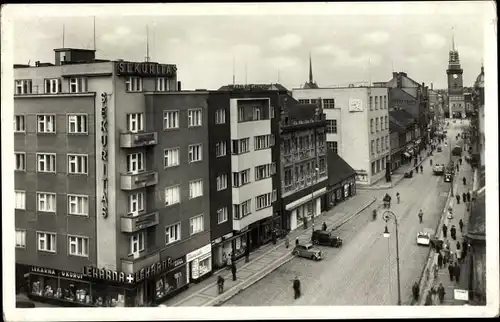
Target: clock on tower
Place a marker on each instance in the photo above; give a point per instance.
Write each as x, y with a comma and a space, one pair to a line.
456, 101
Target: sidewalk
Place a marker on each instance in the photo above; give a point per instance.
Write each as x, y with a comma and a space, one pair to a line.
397, 175
459, 212
266, 259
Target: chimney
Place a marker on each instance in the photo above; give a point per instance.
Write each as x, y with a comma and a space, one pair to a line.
37, 63
179, 88
432, 86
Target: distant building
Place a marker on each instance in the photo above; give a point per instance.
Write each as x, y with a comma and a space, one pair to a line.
404, 134
311, 83
357, 126
456, 101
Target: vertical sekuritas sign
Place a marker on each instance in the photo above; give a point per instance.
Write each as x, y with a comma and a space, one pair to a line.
104, 154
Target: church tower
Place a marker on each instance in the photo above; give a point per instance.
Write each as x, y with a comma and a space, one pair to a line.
311, 83
456, 100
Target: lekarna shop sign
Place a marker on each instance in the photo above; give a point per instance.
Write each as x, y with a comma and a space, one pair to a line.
55, 272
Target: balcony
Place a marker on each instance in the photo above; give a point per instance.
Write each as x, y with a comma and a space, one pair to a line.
132, 224
138, 180
134, 140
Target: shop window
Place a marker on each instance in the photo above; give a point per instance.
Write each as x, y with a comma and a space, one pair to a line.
104, 295
44, 286
70, 290
170, 282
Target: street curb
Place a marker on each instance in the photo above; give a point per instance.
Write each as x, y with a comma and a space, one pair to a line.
356, 213
232, 293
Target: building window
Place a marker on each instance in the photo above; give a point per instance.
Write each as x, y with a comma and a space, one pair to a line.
52, 86
288, 177
170, 120
19, 125
78, 205
77, 164
46, 202
265, 171
78, 85
135, 122
373, 168
371, 126
137, 243
378, 145
331, 126
376, 102
333, 145
133, 84
77, 123
195, 188
23, 86
240, 146
135, 163
78, 246
263, 141
20, 200
272, 112
172, 195
385, 101
387, 142
386, 121
220, 116
135, 203
257, 113
20, 161
220, 149
46, 162
172, 233
20, 238
195, 153
171, 157
46, 242
304, 101
376, 124
371, 103
222, 215
263, 201
221, 182
382, 143
242, 210
194, 118
196, 224
372, 147
328, 103
162, 84
46, 123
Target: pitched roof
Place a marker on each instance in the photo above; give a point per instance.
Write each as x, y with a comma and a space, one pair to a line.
401, 118
338, 168
396, 127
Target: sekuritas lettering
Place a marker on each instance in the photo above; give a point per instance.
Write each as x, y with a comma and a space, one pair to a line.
121, 67
152, 69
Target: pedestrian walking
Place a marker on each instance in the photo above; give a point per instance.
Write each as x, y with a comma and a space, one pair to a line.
324, 226
464, 181
464, 249
451, 270
453, 232
445, 230
468, 196
287, 242
458, 254
397, 196
233, 271
440, 260
458, 168
420, 215
461, 224
229, 260
297, 241
435, 270
274, 236
460, 161
441, 293
416, 291
304, 219
457, 272
464, 197
458, 199
421, 168
458, 245
428, 299
430, 162
296, 287
220, 284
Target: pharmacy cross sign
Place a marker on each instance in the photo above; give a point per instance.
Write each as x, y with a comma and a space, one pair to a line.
130, 278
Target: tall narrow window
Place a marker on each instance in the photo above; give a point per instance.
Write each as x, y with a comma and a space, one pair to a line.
133, 84
135, 203
20, 161
194, 117
46, 123
171, 157
77, 164
78, 205
23, 86
53, 86
170, 120
162, 84
77, 123
135, 122
78, 85
19, 125
135, 163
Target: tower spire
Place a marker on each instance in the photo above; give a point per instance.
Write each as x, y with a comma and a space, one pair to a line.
310, 69
453, 38
147, 43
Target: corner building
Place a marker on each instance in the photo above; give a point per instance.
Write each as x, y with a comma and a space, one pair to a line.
112, 182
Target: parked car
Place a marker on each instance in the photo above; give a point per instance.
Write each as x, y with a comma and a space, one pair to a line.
423, 238
438, 169
323, 237
308, 251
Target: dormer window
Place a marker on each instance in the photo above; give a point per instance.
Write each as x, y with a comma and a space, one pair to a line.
23, 86
78, 85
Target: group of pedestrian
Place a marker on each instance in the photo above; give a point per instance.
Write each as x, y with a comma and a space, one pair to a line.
454, 271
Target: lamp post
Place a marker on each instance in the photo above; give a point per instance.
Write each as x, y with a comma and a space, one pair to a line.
387, 215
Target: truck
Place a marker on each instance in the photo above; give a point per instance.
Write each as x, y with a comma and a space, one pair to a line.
438, 169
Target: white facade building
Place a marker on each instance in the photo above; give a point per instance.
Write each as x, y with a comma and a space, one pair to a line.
358, 126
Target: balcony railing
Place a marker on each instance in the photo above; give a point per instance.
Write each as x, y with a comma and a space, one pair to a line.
132, 224
134, 140
139, 180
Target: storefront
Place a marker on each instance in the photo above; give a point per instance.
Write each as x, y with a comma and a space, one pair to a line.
199, 263
106, 288
304, 208
222, 249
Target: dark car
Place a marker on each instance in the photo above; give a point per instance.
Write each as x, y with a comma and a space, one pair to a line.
457, 151
323, 237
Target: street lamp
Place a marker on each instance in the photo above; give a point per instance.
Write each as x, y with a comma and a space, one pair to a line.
387, 215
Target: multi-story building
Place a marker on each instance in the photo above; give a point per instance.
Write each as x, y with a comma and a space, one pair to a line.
357, 126
303, 162
456, 100
112, 198
244, 153
404, 134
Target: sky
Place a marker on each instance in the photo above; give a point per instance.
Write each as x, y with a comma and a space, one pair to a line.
348, 43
